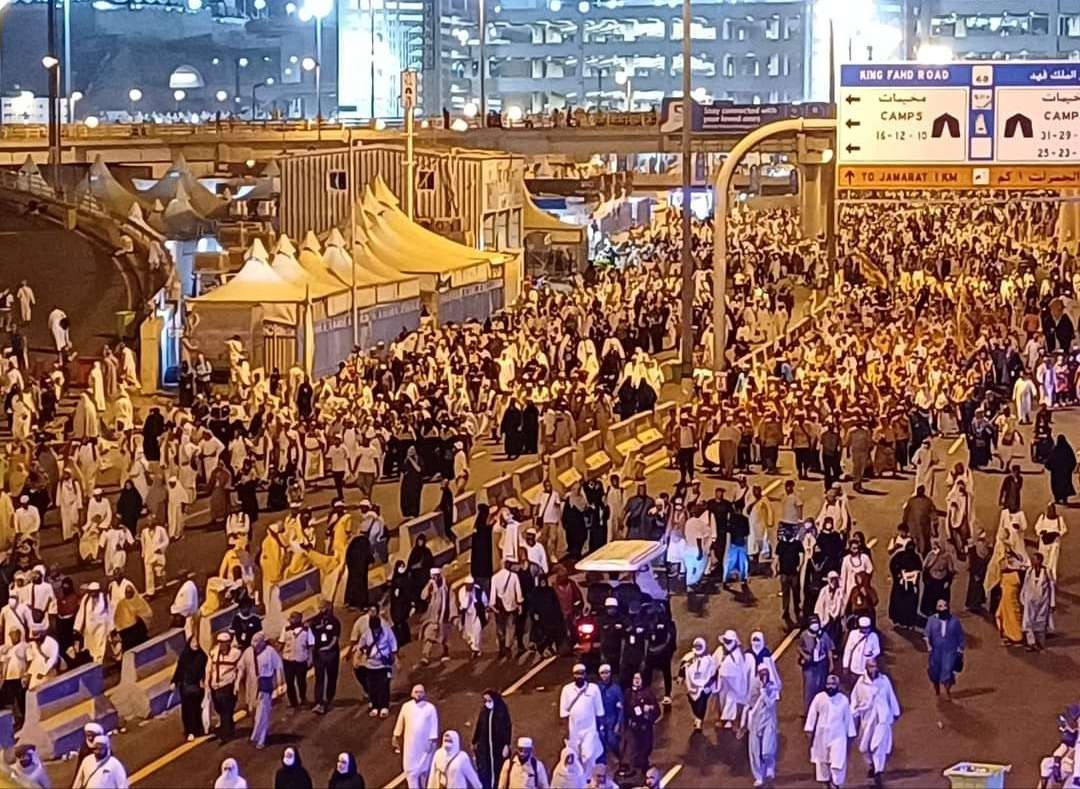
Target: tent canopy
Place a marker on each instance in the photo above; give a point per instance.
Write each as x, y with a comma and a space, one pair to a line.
255, 283
537, 220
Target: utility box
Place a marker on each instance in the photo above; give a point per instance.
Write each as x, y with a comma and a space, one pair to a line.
977, 775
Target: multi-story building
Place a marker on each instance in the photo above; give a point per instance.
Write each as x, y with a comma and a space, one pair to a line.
544, 54
999, 29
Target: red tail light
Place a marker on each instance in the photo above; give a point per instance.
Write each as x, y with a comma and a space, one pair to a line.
586, 629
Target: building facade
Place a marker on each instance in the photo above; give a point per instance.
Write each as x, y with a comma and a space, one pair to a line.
998, 29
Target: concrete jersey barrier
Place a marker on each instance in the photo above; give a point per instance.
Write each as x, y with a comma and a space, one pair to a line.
499, 490
146, 676
591, 458
528, 481
57, 711
430, 524
563, 473
217, 622
299, 593
464, 517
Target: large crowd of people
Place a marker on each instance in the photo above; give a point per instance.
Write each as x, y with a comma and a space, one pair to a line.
971, 338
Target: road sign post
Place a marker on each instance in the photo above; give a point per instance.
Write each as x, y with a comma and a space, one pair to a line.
1010, 125
408, 104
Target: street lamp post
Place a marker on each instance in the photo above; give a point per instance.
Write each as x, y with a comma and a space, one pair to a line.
686, 346
52, 63
254, 88
317, 10
481, 5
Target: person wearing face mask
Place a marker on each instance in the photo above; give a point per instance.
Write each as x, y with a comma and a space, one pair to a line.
944, 638
831, 543
862, 646
452, 768
762, 724
492, 737
101, 770
611, 694
761, 655
292, 774
416, 736
374, 650
815, 657
582, 706
830, 606
855, 561
29, 769
874, 705
346, 775
642, 712
732, 681
568, 773
829, 724
523, 770
230, 777
697, 669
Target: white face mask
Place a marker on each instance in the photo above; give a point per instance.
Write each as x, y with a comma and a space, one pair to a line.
489, 704
289, 759
343, 763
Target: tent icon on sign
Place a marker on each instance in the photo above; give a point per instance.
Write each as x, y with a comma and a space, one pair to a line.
945, 122
1018, 122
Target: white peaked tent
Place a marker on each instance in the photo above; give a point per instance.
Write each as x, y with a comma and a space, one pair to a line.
102, 185
30, 174
286, 266
178, 176
257, 250
255, 283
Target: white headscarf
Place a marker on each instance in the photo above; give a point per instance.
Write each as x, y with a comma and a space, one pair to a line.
451, 747
230, 777
568, 773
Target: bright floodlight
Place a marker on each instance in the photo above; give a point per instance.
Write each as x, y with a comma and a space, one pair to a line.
470, 109
459, 125
91, 122
135, 94
259, 5
269, 80
242, 62
583, 6
179, 95
194, 5
380, 124
221, 95
290, 8
250, 163
514, 113
76, 95
621, 77
319, 9
308, 64
49, 62
294, 59
555, 5
934, 53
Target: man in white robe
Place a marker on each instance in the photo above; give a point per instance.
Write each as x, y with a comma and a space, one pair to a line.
100, 769
582, 705
154, 541
830, 723
732, 679
874, 705
94, 621
176, 498
416, 736
862, 646
70, 499
186, 603
27, 520
1024, 394
471, 602
58, 331
114, 543
926, 465
27, 300
99, 508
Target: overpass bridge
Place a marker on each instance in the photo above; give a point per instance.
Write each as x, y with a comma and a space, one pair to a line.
233, 144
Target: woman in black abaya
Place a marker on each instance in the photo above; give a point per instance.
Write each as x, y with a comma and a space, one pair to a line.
1061, 464
357, 560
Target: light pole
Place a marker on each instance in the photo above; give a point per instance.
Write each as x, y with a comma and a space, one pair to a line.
134, 96
239, 63
254, 88
686, 346
481, 7
624, 79
317, 10
52, 65
3, 5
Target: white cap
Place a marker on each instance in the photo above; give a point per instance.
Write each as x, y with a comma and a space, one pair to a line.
729, 635
97, 491
434, 571
611, 602
832, 574
578, 667
605, 667
864, 621
524, 742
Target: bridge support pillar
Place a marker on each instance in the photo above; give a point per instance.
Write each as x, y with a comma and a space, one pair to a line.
812, 202
1068, 222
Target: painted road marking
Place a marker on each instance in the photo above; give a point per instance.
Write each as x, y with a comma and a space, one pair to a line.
669, 776
529, 675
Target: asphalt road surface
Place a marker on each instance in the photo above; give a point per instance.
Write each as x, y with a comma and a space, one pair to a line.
1004, 707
